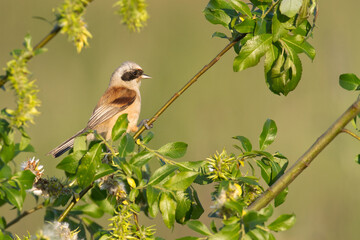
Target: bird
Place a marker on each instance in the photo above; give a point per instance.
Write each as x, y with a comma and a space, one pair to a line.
122, 96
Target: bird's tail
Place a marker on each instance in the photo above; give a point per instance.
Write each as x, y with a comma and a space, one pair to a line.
65, 146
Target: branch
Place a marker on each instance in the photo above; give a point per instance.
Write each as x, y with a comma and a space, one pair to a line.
42, 43
24, 214
73, 202
305, 160
187, 85
350, 133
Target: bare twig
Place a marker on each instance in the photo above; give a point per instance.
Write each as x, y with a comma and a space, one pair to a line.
24, 214
350, 133
187, 85
305, 160
41, 44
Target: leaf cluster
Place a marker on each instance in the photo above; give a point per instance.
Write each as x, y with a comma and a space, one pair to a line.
277, 30
235, 190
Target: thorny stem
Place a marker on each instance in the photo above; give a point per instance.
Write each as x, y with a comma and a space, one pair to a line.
305, 160
350, 133
187, 85
24, 214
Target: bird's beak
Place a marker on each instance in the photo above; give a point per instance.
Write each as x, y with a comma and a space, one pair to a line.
144, 76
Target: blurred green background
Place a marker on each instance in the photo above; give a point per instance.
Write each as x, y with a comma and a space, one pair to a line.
175, 44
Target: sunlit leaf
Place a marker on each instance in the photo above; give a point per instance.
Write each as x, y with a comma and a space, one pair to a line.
167, 207
252, 51
290, 7
349, 81
283, 223
268, 134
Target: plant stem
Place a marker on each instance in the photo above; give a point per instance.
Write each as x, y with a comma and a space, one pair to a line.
42, 43
187, 85
350, 133
24, 214
305, 160
73, 202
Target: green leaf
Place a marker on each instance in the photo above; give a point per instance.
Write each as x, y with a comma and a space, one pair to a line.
70, 162
299, 44
213, 227
217, 16
80, 144
152, 195
249, 180
219, 34
197, 209
5, 172
246, 144
148, 137
268, 134
91, 210
126, 145
257, 234
199, 227
235, 205
183, 207
349, 81
125, 166
262, 26
103, 170
246, 26
280, 198
91, 226
88, 165
7, 152
290, 7
161, 173
167, 207
283, 223
26, 179
218, 4
181, 181
357, 159
119, 127
13, 195
265, 171
141, 158
173, 150
277, 28
252, 51
241, 7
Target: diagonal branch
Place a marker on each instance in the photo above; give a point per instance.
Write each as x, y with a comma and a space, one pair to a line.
41, 44
153, 119
24, 214
187, 85
305, 160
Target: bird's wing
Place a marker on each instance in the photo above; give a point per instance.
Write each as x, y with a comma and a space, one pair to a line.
114, 100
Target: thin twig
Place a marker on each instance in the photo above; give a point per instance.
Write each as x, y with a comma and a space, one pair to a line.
305, 160
350, 133
73, 202
41, 44
24, 214
187, 85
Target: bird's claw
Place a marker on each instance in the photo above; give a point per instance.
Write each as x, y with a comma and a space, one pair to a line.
145, 124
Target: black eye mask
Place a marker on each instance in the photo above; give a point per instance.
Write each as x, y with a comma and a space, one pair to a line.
132, 74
